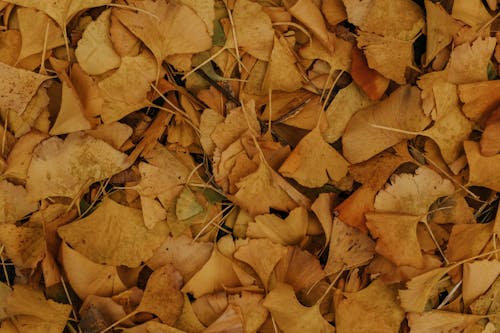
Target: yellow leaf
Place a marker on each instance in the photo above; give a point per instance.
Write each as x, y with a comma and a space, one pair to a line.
483, 170
205, 10
187, 206
18, 86
322, 208
339, 59
253, 312
166, 28
469, 63
437, 321
10, 46
230, 321
88, 278
63, 168
405, 194
293, 317
95, 52
471, 12
262, 255
162, 296
114, 235
374, 309
254, 30
208, 122
314, 162
401, 110
289, 231
478, 276
468, 240
349, 248
397, 237
14, 202
282, 73
25, 246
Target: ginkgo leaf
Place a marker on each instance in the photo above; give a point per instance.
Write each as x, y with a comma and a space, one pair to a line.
253, 312
26, 301
282, 73
401, 110
260, 184
451, 127
468, 240
19, 158
63, 167
187, 206
185, 255
441, 28
420, 288
205, 10
95, 52
61, 10
230, 321
469, 63
215, 275
349, 248
288, 231
126, 90
36, 30
17, 88
262, 255
339, 59
88, 278
345, 104
208, 121
314, 162
388, 56
372, 309
162, 295
322, 208
371, 82
396, 237
114, 235
166, 28
478, 276
401, 19
413, 194
471, 12
25, 246
437, 321
483, 170
14, 202
10, 46
293, 317
254, 30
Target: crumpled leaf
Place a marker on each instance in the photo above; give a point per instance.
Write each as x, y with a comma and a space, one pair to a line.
162, 295
262, 255
349, 248
413, 194
388, 56
113, 235
396, 237
63, 167
441, 27
126, 90
254, 30
33, 26
401, 110
95, 52
17, 88
483, 170
401, 19
88, 278
293, 317
166, 28
288, 231
14, 202
314, 162
46, 315
437, 321
261, 184
372, 309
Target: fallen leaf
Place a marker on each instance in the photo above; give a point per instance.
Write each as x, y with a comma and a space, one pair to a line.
282, 73
10, 46
291, 316
478, 276
472, 12
482, 169
19, 158
95, 52
230, 321
14, 202
63, 167
436, 321
374, 309
314, 162
25, 246
468, 240
371, 82
469, 63
113, 235
253, 312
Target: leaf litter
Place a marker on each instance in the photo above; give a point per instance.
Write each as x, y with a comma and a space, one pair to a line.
249, 166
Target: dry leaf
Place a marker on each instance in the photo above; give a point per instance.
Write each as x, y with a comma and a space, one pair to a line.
230, 321
483, 170
469, 63
369, 80
63, 168
314, 162
95, 52
205, 10
478, 277
471, 12
437, 321
166, 28
14, 202
162, 295
114, 235
401, 110
293, 317
373, 309
25, 246
396, 237
339, 59
19, 158
282, 73
253, 312
10, 46
262, 255
468, 240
